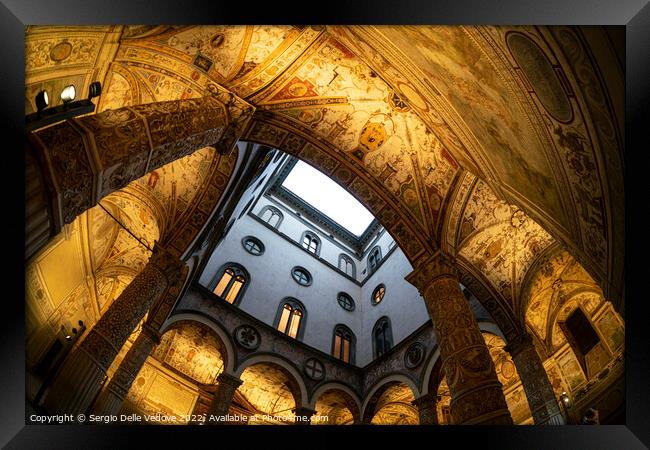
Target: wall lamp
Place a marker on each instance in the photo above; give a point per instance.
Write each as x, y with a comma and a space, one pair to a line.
69, 108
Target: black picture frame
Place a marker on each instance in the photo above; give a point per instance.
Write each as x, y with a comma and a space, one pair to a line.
634, 14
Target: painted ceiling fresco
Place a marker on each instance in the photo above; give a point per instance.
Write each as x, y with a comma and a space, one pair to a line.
500, 240
406, 118
193, 350
394, 407
510, 104
558, 282
332, 404
266, 387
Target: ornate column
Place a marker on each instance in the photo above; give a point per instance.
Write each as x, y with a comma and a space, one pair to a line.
476, 393
80, 378
426, 406
226, 387
539, 391
82, 160
303, 415
112, 396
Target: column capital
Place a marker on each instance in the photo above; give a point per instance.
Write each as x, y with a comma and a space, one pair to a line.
429, 399
438, 265
167, 262
151, 332
230, 380
303, 415
519, 343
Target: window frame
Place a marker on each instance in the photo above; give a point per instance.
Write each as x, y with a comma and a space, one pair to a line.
313, 238
374, 292
274, 212
344, 330
238, 270
310, 278
349, 297
384, 323
348, 261
256, 241
295, 305
376, 256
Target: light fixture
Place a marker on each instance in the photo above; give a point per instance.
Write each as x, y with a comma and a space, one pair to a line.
42, 101
95, 90
566, 401
68, 93
67, 110
68, 337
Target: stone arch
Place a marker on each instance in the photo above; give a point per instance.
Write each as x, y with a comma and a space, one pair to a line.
228, 347
350, 398
297, 383
271, 129
369, 403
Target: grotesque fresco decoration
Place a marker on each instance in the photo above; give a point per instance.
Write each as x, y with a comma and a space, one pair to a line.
267, 389
498, 144
394, 407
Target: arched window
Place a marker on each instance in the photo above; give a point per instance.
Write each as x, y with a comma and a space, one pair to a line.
378, 294
291, 317
301, 275
347, 265
311, 242
253, 245
231, 282
382, 337
373, 259
272, 216
343, 346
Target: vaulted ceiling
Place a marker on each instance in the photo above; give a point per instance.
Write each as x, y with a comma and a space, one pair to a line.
493, 143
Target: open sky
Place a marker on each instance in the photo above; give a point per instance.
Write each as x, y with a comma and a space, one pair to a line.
328, 197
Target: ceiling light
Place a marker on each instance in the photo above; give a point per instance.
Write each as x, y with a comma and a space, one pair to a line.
68, 93
42, 100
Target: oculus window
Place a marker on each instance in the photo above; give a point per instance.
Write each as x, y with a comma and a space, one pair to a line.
378, 294
301, 275
253, 245
345, 301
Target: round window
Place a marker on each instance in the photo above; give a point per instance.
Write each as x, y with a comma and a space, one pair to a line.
301, 275
378, 294
345, 301
253, 245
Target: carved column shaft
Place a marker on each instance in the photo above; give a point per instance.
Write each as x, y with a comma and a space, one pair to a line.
82, 160
111, 398
539, 391
476, 393
426, 406
226, 387
303, 415
79, 380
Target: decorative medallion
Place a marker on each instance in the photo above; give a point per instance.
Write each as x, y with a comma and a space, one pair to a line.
60, 51
248, 337
414, 355
314, 369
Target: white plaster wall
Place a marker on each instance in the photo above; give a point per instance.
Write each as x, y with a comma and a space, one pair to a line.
402, 304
